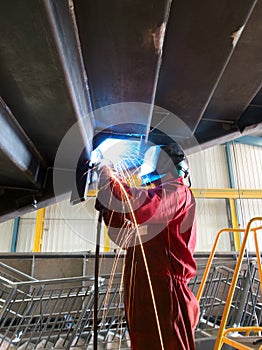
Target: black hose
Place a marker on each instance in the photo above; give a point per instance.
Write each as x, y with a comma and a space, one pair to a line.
96, 291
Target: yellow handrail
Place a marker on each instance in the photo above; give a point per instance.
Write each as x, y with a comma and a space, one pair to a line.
258, 254
234, 343
221, 332
210, 259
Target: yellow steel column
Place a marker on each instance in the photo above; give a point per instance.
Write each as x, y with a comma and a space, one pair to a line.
106, 240
39, 230
235, 224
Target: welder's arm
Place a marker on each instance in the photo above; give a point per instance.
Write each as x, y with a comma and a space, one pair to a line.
154, 206
138, 205
114, 195
105, 200
104, 176
109, 181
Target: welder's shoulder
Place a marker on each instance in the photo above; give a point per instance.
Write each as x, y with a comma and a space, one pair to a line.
173, 186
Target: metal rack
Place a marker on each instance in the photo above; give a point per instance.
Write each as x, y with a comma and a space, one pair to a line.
246, 307
59, 311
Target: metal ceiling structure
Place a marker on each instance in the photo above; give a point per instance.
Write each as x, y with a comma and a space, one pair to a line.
61, 60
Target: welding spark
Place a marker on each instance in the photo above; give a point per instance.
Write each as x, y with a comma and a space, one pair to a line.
135, 230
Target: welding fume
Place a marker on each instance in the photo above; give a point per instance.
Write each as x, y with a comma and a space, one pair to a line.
154, 222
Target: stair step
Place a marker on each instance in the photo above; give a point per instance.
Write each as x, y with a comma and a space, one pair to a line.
27, 346
248, 341
44, 345
6, 345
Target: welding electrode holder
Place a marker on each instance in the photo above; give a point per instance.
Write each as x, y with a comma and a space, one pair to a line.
83, 178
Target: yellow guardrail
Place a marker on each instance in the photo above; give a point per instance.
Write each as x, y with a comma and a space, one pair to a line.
215, 193
235, 343
211, 256
223, 333
232, 193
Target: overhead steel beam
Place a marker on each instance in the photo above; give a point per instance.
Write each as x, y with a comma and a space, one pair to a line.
18, 148
122, 50
250, 140
33, 81
223, 75
242, 79
63, 25
61, 17
231, 107
198, 47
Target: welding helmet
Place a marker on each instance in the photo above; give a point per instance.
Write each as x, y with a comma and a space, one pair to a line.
159, 160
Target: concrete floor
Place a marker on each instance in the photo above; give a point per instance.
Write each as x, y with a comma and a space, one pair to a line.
112, 346
117, 344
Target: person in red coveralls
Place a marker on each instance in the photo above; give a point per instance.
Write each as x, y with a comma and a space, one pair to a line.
156, 226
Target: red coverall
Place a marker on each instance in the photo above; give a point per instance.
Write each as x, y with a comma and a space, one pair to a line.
168, 211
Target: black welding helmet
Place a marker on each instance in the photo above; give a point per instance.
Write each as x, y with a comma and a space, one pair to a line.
159, 160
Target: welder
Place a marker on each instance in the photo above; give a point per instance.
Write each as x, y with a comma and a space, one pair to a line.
156, 226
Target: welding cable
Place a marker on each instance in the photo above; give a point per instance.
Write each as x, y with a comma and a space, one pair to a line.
96, 290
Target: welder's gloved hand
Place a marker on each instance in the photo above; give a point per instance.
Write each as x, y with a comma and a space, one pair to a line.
98, 205
104, 176
105, 163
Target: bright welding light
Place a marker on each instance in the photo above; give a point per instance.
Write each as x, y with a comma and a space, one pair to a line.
150, 160
126, 155
119, 152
